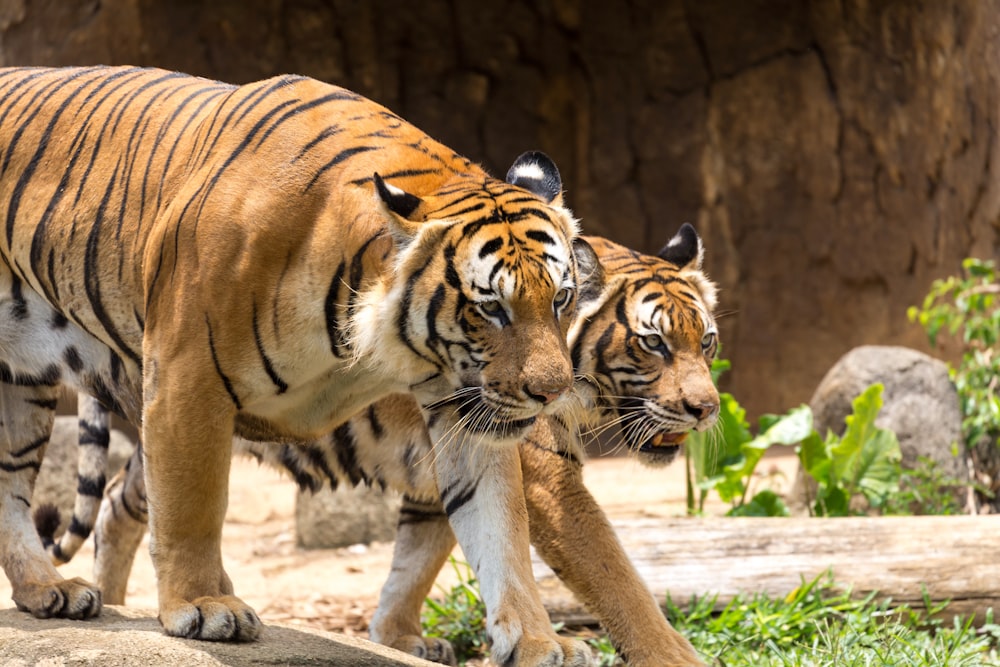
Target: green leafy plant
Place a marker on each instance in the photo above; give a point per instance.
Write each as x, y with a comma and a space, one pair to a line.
725, 458
927, 490
460, 616
731, 466
864, 461
967, 308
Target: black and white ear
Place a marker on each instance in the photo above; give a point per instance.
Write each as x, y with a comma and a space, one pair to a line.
398, 207
684, 250
537, 173
398, 201
589, 271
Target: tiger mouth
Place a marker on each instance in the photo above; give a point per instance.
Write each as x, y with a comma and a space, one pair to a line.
492, 424
663, 442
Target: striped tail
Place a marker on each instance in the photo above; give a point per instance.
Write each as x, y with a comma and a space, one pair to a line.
92, 462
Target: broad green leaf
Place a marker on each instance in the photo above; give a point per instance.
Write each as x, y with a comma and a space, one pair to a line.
814, 457
786, 430
832, 501
765, 503
845, 454
878, 470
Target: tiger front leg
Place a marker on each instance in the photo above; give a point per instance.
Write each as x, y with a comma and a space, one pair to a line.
187, 445
27, 408
484, 500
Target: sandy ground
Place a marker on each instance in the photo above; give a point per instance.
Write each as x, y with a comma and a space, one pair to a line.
337, 589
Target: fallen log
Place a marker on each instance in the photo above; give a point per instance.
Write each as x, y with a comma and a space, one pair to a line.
954, 558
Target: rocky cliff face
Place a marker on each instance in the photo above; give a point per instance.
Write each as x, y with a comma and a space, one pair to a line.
835, 155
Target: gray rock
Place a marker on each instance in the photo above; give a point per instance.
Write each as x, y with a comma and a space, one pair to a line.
919, 403
122, 637
331, 519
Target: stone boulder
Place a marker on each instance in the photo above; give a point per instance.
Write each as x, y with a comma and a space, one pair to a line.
330, 519
121, 637
920, 405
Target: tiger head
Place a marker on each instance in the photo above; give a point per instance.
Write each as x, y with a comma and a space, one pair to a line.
644, 342
484, 292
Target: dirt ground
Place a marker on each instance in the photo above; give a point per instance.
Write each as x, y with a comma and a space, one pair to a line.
337, 589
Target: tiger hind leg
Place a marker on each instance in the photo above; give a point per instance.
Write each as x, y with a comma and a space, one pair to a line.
27, 411
423, 541
120, 525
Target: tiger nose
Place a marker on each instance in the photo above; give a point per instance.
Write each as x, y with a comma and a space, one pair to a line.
545, 395
702, 410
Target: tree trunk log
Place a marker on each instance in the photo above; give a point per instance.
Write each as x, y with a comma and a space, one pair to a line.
951, 558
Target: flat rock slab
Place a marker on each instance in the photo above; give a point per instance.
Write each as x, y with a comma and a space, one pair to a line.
123, 637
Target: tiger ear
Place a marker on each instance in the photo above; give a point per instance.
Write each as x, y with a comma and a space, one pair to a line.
398, 207
684, 250
590, 273
537, 173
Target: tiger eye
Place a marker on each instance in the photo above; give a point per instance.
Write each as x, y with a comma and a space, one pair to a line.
491, 307
653, 341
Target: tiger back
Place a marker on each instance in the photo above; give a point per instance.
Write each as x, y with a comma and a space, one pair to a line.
266, 260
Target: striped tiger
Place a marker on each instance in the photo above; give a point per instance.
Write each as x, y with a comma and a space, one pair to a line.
642, 343
267, 260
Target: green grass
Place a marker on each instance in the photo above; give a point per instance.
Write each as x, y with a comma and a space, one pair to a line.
816, 625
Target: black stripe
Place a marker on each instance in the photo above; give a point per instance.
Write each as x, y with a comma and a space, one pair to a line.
394, 175
79, 528
17, 467
49, 377
317, 458
31, 447
93, 488
19, 311
306, 482
214, 180
268, 366
91, 272
218, 368
184, 137
254, 96
330, 310
540, 236
373, 421
343, 155
490, 247
337, 95
459, 497
45, 403
93, 434
346, 448
42, 144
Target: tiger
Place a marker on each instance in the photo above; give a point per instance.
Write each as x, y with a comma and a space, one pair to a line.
266, 260
642, 343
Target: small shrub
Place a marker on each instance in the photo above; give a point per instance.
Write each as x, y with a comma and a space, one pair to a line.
460, 616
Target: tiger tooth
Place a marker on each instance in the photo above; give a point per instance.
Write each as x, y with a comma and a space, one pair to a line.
657, 439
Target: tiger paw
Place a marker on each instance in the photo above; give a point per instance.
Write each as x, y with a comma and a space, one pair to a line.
221, 619
66, 598
428, 648
543, 651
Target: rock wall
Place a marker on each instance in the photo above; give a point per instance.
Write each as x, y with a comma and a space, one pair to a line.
836, 155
